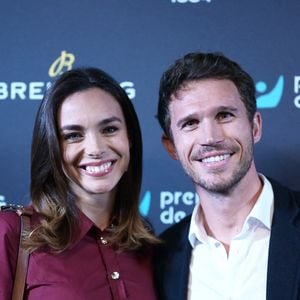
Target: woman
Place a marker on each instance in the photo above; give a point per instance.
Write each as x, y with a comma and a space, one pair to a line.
87, 239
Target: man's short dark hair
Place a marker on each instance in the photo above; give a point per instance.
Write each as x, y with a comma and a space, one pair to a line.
197, 66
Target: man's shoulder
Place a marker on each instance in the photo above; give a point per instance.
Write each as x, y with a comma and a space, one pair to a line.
174, 243
176, 232
281, 190
171, 263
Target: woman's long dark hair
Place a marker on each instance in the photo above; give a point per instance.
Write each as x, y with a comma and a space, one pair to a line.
50, 192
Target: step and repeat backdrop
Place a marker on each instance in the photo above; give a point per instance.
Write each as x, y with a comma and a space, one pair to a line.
135, 41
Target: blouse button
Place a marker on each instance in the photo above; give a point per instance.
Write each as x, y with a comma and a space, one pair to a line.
103, 240
115, 275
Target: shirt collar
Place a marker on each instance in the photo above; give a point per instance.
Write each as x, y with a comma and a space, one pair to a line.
264, 206
85, 225
197, 233
261, 212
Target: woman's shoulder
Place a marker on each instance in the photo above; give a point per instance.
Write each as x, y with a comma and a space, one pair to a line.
9, 221
10, 217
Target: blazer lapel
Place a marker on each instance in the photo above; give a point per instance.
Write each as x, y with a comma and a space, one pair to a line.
181, 270
173, 260
284, 250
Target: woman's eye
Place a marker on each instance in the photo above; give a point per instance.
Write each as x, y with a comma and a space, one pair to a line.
110, 129
72, 137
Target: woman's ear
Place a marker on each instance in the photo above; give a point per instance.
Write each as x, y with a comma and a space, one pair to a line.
169, 146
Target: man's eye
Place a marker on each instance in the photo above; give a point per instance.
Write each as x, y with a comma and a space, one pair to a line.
190, 124
224, 116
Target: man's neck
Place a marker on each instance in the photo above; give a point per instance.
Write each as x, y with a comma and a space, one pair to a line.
224, 215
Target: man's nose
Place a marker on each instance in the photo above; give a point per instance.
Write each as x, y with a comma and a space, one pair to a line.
210, 132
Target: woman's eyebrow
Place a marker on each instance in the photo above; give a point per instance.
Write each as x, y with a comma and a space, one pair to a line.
101, 123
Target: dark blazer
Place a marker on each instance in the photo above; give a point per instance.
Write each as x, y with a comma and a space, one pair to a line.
172, 258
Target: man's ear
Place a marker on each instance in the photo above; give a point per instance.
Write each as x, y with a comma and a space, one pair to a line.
257, 127
169, 146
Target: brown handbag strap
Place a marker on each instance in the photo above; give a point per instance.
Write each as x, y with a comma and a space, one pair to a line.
22, 262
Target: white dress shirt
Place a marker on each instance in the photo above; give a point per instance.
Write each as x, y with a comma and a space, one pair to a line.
242, 274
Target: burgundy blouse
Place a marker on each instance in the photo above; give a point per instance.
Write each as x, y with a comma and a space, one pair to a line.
90, 269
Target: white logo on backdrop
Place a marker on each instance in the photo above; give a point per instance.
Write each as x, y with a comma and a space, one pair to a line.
172, 203
2, 200
297, 91
34, 90
189, 1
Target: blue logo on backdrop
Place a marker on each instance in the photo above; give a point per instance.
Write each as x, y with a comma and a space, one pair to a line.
145, 204
269, 99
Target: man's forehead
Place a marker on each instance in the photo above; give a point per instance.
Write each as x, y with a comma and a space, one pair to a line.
183, 88
205, 86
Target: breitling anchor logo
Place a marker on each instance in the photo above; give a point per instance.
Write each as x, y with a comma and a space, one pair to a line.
63, 63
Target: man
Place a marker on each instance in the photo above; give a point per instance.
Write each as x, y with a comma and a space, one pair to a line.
243, 238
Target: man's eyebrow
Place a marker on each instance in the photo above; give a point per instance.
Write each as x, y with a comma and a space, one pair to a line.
185, 119
230, 108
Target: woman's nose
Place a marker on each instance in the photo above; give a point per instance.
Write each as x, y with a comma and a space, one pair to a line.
94, 146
